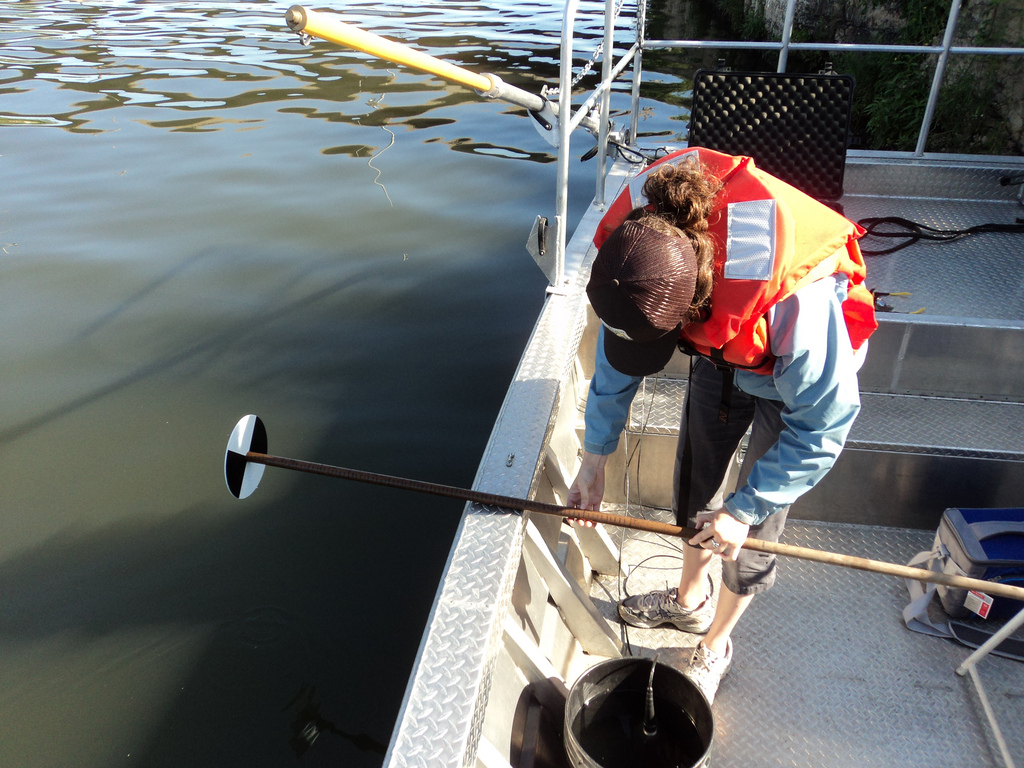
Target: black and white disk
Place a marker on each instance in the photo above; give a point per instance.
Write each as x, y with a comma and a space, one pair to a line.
242, 475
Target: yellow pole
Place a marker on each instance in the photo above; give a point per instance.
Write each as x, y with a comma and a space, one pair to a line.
330, 28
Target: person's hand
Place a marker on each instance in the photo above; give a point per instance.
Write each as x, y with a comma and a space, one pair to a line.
720, 533
588, 488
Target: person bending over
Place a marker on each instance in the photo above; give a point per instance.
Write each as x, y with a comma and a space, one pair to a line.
764, 287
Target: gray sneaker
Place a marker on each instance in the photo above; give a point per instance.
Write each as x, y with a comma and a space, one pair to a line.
706, 669
658, 608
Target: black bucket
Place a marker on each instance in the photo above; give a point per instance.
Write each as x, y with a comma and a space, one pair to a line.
605, 718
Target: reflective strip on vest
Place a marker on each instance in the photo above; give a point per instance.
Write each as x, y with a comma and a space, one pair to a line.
750, 243
636, 190
770, 240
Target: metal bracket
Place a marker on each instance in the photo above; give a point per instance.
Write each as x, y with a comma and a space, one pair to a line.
537, 245
546, 123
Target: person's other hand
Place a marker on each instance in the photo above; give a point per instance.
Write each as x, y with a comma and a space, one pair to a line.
720, 533
587, 489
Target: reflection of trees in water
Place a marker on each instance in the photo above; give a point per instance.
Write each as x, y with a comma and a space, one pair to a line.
200, 63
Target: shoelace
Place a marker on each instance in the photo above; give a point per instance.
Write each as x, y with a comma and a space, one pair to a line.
660, 599
702, 659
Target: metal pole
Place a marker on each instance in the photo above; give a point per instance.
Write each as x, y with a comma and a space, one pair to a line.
940, 73
638, 62
564, 133
787, 34
990, 714
970, 667
607, 59
985, 648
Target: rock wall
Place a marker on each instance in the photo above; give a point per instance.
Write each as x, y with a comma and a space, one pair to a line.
1007, 19
996, 23
845, 21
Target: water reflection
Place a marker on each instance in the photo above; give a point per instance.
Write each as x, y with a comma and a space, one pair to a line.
199, 56
213, 346
224, 222
309, 724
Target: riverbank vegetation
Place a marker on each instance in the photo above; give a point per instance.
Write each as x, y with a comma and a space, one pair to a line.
979, 107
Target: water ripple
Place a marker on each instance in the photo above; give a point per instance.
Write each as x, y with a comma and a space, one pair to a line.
67, 61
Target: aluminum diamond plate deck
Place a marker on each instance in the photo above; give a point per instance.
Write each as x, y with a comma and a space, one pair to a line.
932, 425
976, 277
963, 177
658, 406
825, 674
940, 426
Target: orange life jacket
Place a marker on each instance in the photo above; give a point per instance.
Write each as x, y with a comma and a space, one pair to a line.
770, 240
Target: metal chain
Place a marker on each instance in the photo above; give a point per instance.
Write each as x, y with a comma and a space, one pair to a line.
589, 66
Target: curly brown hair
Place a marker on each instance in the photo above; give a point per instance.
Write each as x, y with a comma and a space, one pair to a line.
682, 197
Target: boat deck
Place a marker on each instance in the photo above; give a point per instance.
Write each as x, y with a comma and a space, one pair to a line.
825, 674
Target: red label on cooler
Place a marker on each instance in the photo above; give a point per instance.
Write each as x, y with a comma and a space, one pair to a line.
979, 603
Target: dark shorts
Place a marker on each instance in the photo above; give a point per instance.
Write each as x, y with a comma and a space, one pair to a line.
705, 455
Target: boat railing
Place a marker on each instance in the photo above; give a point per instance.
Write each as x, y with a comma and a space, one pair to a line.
569, 120
611, 69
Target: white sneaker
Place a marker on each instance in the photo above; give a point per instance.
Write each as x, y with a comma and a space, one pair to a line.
706, 669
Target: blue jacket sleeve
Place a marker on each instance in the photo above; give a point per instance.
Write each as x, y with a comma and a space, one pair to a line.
608, 401
815, 376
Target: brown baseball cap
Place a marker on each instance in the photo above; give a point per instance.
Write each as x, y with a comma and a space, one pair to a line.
641, 286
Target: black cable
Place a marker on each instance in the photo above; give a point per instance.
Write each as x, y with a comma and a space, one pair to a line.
628, 153
633, 155
914, 232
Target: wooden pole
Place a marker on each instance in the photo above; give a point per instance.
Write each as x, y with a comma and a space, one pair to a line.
992, 588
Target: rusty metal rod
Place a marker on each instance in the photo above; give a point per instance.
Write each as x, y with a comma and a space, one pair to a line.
639, 524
